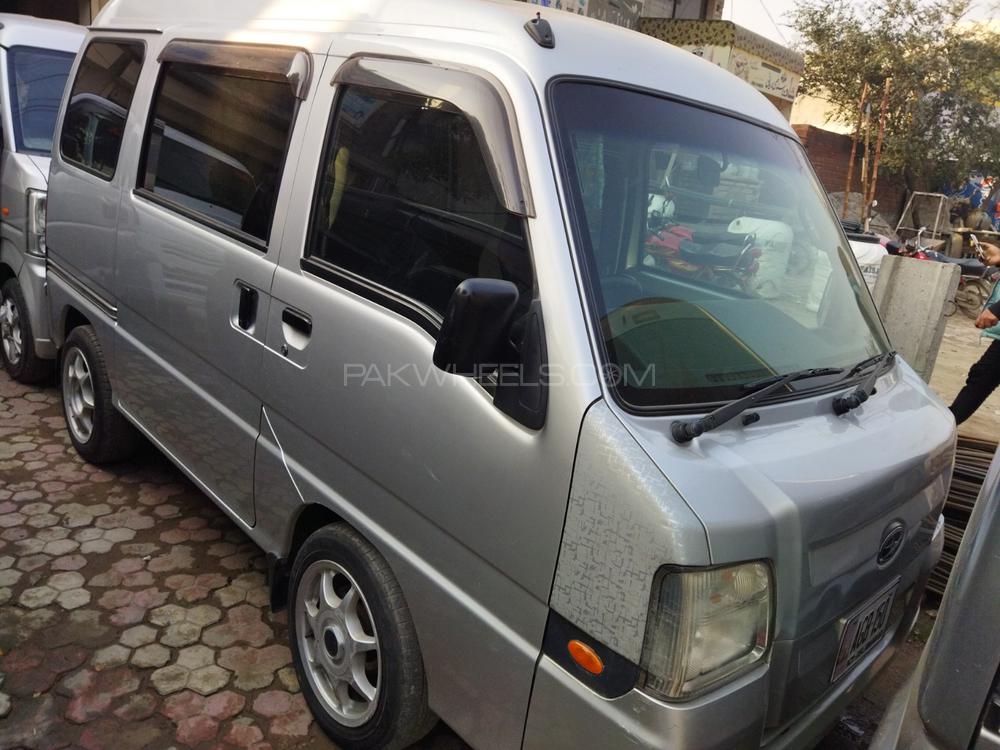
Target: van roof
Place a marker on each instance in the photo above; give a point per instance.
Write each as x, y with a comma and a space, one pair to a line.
584, 46
29, 31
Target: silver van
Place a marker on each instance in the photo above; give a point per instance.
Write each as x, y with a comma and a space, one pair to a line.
35, 58
528, 348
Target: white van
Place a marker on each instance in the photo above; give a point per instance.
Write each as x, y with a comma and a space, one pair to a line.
528, 348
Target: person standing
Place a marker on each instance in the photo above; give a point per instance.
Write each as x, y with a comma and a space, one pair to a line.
984, 375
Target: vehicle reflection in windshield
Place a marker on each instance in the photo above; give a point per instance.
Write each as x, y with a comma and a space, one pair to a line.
712, 253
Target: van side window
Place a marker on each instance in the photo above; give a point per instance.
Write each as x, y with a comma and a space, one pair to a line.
98, 106
216, 144
405, 200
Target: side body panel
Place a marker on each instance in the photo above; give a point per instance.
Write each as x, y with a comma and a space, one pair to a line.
189, 372
466, 504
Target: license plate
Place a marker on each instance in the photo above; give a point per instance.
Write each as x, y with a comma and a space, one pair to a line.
863, 630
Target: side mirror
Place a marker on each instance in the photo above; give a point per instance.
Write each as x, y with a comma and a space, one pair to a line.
476, 321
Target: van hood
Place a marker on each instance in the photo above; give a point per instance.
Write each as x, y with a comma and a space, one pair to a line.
811, 491
815, 494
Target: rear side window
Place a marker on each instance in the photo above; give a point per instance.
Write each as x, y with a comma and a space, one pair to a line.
216, 145
406, 203
98, 106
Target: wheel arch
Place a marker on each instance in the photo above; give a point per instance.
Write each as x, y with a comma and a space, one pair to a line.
71, 318
310, 518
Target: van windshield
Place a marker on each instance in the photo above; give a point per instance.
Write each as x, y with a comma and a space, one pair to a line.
712, 255
36, 78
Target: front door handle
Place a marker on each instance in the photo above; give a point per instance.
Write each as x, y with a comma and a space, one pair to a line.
296, 327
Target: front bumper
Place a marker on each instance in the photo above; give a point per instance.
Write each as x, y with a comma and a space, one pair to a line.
32, 278
565, 714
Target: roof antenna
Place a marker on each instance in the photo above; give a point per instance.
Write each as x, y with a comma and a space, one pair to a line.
541, 31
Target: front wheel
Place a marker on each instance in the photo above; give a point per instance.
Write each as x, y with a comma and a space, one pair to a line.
100, 434
17, 343
354, 644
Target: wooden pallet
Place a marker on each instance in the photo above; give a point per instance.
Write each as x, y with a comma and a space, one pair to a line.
972, 461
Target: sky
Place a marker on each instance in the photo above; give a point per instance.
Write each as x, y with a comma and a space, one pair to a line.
770, 17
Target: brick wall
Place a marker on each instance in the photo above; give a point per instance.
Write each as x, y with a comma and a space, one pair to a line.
830, 153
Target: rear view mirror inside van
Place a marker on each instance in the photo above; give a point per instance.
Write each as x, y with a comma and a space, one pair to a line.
475, 323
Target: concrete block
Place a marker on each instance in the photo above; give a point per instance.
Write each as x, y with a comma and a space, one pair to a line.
911, 296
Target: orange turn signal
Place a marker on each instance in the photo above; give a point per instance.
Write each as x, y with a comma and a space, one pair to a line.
586, 657
5, 211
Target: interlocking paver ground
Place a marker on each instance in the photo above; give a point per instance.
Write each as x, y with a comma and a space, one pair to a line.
128, 617
133, 613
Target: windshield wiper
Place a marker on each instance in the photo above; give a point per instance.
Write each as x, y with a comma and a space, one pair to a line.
686, 431
854, 399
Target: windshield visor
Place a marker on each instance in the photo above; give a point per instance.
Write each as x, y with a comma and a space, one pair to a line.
712, 255
37, 78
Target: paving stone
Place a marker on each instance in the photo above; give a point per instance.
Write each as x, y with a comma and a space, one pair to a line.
167, 680
73, 599
69, 562
60, 547
289, 679
197, 729
203, 614
255, 667
224, 705
39, 596
151, 655
32, 562
110, 656
180, 634
97, 545
242, 623
94, 692
137, 707
137, 636
168, 615
10, 577
243, 734
289, 714
208, 680
194, 657
66, 581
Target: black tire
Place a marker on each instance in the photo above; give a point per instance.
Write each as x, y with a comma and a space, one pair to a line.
28, 368
401, 715
112, 438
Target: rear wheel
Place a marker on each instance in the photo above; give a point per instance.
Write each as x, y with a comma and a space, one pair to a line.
100, 434
17, 343
354, 644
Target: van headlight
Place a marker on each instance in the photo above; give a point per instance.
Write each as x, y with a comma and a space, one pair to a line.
35, 229
705, 627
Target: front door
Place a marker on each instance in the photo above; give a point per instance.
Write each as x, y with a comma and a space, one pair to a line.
465, 502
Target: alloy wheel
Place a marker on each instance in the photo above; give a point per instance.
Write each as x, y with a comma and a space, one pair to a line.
78, 394
338, 642
10, 330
